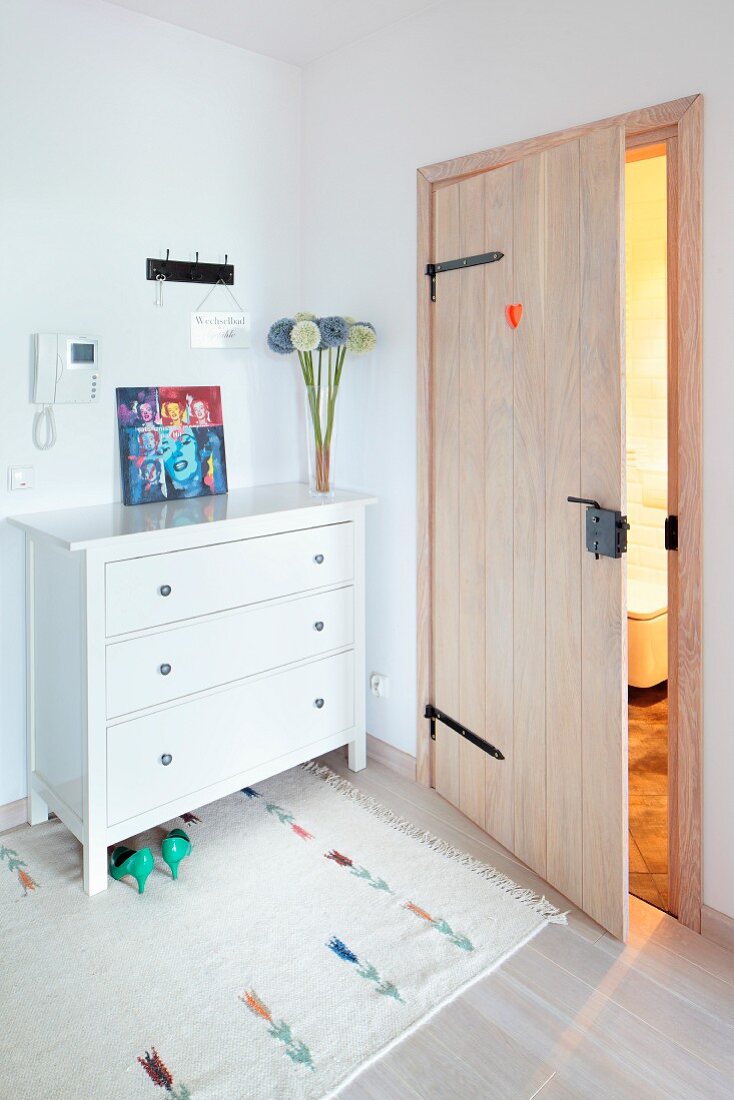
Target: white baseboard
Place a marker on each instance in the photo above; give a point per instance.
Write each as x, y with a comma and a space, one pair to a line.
718, 927
402, 763
13, 814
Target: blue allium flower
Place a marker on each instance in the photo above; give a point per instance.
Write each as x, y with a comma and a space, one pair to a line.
334, 331
339, 948
279, 336
367, 324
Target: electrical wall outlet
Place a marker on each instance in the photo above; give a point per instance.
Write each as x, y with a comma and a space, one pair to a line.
20, 477
379, 685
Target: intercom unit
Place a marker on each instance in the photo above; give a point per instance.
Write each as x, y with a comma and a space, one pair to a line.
67, 369
66, 372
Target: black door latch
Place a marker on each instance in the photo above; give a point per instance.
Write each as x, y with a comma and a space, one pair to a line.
671, 533
606, 530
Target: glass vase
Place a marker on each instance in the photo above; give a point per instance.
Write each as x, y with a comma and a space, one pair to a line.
320, 438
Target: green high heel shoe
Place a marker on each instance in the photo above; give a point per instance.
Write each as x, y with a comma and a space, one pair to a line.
126, 861
174, 848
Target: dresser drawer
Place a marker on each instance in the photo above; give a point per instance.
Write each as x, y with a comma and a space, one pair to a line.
215, 738
185, 659
167, 588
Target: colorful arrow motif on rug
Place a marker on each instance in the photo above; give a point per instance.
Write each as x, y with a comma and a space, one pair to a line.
296, 1050
283, 816
15, 863
191, 819
359, 872
441, 926
364, 969
161, 1076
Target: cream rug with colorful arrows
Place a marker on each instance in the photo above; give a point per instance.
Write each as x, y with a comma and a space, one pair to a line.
310, 930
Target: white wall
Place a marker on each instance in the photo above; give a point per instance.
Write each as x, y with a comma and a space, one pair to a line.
120, 137
468, 75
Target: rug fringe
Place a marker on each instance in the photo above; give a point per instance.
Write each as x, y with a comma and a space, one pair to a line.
537, 903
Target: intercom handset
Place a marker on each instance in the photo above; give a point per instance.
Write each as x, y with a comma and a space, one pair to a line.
66, 372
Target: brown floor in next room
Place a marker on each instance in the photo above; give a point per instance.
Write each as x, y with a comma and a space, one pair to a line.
648, 794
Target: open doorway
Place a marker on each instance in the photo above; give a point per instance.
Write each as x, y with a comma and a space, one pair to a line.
646, 246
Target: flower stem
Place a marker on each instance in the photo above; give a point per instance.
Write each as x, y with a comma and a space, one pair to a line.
333, 392
313, 401
323, 433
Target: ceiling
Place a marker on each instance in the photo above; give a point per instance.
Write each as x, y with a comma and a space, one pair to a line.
297, 31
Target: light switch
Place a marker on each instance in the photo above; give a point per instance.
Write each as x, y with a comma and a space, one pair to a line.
21, 477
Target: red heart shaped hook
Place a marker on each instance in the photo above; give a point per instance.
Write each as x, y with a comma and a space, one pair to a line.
513, 313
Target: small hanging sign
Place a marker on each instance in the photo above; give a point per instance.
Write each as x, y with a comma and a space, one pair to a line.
229, 329
222, 328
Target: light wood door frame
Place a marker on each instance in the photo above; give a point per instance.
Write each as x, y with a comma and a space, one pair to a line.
679, 124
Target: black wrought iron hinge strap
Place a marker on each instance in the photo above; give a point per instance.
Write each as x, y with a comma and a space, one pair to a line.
432, 270
436, 715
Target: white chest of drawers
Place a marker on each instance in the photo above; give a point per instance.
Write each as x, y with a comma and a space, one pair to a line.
179, 652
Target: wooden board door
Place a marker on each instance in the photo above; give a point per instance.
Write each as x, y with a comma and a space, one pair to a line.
529, 630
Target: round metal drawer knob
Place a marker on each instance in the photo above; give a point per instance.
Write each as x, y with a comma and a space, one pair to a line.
318, 626
319, 559
166, 759
318, 703
165, 590
165, 670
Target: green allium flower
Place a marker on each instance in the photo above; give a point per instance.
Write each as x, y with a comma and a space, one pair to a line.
361, 339
305, 316
305, 336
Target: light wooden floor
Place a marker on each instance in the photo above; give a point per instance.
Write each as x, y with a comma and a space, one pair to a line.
574, 1014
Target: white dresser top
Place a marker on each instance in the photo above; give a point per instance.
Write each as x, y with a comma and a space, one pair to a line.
100, 524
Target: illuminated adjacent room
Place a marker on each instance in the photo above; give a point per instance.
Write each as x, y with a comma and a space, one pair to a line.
646, 256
